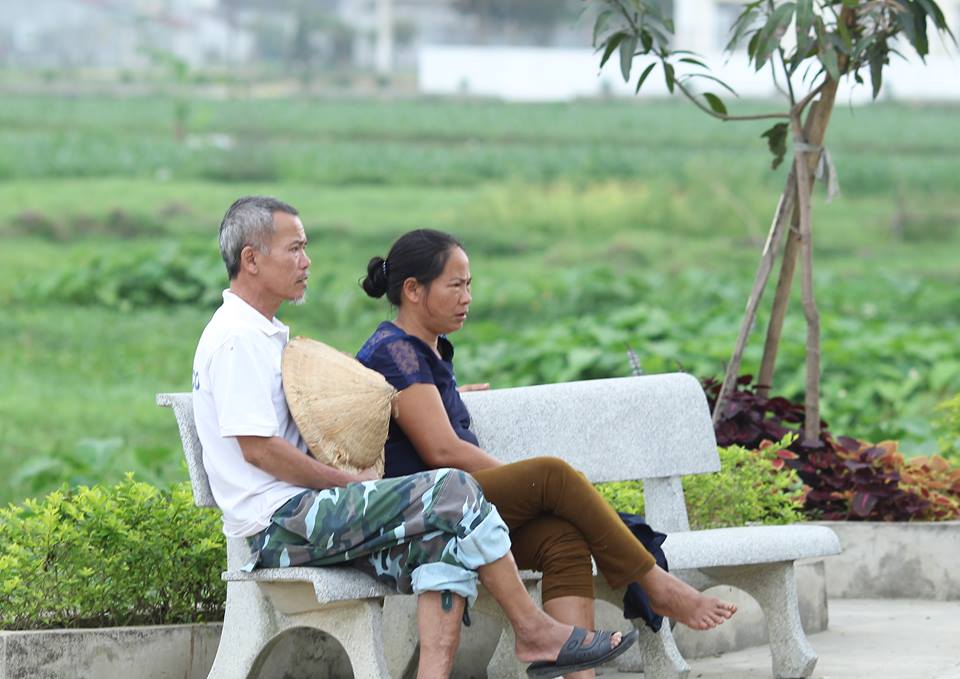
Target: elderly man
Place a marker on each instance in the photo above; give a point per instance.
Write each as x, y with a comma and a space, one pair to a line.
431, 533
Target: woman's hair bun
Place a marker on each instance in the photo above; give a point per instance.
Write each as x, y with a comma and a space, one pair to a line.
375, 284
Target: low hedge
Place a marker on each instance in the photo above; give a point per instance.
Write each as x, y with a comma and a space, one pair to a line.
752, 486
128, 554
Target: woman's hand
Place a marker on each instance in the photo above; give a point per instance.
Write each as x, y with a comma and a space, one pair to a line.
463, 388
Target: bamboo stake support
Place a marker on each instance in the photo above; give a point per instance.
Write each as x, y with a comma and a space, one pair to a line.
780, 218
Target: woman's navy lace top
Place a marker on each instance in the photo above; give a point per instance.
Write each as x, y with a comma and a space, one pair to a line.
405, 360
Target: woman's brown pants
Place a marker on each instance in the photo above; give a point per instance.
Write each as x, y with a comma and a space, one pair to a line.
557, 521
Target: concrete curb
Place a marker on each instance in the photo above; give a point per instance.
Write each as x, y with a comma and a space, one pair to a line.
895, 560
157, 652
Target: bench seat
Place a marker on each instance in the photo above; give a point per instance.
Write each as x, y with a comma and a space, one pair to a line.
748, 545
330, 583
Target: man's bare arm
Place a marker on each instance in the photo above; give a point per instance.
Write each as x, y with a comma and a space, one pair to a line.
278, 457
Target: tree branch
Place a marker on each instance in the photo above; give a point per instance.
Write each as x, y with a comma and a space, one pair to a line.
723, 116
786, 74
802, 104
686, 92
626, 15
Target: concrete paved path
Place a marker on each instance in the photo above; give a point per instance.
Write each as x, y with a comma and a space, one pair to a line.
866, 639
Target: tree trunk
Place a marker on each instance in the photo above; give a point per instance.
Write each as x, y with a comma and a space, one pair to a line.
811, 401
815, 130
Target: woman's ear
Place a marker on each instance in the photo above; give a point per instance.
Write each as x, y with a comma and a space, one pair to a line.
412, 290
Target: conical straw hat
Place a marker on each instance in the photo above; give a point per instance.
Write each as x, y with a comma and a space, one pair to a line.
341, 407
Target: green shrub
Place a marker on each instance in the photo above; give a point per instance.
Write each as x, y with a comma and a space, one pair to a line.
106, 556
751, 487
948, 426
135, 277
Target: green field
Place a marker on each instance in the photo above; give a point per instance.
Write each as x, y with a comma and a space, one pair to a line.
591, 227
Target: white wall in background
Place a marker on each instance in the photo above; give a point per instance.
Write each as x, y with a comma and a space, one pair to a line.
546, 74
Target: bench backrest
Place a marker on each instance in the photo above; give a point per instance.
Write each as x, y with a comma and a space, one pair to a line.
656, 428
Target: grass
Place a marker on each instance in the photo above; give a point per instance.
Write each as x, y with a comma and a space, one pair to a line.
879, 148
590, 226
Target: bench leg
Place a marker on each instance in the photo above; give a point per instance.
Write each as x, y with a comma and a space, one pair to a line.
247, 630
251, 626
359, 629
775, 589
658, 650
503, 663
661, 657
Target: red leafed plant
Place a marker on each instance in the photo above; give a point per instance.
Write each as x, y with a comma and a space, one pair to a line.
862, 481
848, 479
936, 480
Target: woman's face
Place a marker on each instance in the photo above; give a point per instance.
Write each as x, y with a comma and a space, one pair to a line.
446, 301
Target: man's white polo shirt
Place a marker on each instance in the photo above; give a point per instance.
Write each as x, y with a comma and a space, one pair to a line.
237, 391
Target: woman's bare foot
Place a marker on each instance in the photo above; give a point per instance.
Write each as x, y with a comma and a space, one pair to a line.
673, 598
540, 640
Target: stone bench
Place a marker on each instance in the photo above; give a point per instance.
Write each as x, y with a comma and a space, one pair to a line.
653, 428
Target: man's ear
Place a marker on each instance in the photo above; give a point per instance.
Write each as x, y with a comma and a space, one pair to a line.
412, 290
248, 259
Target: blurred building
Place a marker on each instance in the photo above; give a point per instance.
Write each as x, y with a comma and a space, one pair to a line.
116, 34
702, 26
516, 49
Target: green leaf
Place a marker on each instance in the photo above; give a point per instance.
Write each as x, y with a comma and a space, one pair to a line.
933, 11
776, 138
772, 32
647, 41
904, 18
828, 57
669, 75
695, 62
715, 103
752, 45
612, 43
920, 43
804, 40
845, 38
643, 76
877, 57
804, 18
743, 24
600, 25
627, 47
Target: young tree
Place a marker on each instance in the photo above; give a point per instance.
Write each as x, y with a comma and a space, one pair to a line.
809, 46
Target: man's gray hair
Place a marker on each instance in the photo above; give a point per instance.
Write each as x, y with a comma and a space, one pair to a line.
249, 221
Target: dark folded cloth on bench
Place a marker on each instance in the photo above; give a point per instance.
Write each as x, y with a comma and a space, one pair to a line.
636, 603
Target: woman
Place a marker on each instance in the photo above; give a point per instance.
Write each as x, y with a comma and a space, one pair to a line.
557, 520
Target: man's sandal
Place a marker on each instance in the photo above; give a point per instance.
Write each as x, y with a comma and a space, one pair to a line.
574, 656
